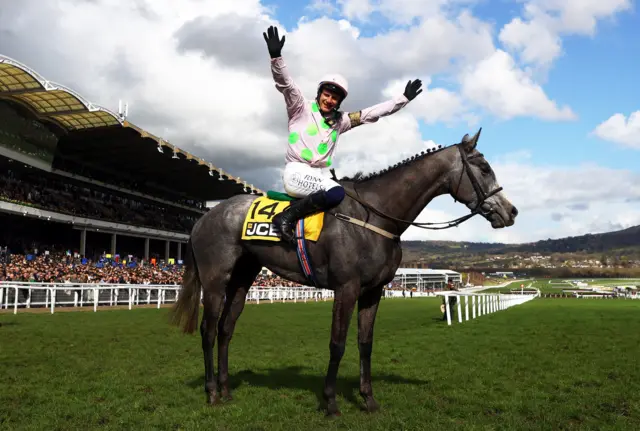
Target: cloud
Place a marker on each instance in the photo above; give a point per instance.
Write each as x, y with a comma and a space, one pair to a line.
579, 206
230, 40
323, 6
433, 105
401, 12
537, 36
373, 147
506, 91
536, 42
358, 10
620, 130
545, 187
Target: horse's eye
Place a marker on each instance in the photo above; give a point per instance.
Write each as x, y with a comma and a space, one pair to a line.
485, 168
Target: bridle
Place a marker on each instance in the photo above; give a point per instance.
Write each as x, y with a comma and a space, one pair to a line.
480, 195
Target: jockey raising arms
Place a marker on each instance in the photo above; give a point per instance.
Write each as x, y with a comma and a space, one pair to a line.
314, 128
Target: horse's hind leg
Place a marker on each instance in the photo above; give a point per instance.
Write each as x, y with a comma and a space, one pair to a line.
215, 280
244, 275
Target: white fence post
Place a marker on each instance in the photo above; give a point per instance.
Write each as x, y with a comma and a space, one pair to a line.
448, 309
53, 299
466, 307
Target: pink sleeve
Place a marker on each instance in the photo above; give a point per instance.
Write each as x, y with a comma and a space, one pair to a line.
284, 83
372, 114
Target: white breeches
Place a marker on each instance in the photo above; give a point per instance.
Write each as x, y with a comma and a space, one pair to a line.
301, 180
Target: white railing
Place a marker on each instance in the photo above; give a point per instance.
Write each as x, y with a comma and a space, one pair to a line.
406, 294
482, 303
25, 295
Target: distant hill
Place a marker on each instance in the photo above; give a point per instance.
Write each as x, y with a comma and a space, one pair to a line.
626, 239
590, 243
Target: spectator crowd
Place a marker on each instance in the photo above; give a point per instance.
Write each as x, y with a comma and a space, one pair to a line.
62, 268
59, 267
59, 195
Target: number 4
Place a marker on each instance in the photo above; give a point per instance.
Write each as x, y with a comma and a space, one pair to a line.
269, 210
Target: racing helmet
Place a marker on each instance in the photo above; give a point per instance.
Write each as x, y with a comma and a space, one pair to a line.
335, 82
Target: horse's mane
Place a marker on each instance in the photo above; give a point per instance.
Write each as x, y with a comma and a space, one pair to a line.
359, 177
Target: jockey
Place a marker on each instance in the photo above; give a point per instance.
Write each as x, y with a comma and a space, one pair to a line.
314, 127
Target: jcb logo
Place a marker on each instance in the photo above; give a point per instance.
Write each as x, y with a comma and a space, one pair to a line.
262, 229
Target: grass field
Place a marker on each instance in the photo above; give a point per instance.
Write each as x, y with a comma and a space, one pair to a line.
557, 286
546, 364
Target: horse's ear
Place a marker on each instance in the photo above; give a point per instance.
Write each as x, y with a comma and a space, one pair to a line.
477, 136
470, 144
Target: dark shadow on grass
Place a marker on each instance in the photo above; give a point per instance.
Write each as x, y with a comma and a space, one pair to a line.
8, 323
293, 378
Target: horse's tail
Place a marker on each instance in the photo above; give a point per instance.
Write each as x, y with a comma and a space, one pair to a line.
184, 313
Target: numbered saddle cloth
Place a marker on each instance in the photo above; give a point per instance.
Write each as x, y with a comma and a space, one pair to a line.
258, 221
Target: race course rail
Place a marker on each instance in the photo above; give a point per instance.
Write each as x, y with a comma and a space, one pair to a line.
25, 295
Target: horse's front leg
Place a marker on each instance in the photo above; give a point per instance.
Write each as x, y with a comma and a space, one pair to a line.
367, 309
343, 305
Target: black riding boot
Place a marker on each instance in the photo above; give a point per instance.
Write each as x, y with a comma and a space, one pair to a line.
286, 220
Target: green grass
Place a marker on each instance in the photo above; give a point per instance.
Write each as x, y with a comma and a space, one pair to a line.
547, 364
516, 285
558, 285
598, 281
613, 281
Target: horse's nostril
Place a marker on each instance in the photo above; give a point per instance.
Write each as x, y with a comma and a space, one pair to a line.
514, 211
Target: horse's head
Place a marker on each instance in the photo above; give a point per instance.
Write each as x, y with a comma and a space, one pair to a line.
473, 182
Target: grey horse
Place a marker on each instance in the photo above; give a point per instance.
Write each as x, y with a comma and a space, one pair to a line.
357, 254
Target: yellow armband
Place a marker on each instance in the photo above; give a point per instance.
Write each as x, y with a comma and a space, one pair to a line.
354, 117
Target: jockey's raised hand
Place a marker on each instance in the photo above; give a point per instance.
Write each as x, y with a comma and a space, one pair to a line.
412, 89
274, 43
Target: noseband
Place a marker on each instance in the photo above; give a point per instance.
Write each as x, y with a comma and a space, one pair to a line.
480, 195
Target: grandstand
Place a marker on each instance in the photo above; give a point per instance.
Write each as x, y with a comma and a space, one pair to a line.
78, 178
426, 279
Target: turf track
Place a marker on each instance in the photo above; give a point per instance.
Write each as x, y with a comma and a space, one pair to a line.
548, 364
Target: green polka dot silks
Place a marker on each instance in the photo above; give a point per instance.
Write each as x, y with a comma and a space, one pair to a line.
312, 130
306, 154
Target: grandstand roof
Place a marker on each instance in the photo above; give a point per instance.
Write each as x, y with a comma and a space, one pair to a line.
94, 136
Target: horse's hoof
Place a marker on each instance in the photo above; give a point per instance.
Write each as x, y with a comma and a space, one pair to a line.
332, 409
226, 396
333, 415
372, 405
213, 399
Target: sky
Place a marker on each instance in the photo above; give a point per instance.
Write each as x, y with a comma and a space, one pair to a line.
552, 83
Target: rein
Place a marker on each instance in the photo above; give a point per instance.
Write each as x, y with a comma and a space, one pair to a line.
480, 195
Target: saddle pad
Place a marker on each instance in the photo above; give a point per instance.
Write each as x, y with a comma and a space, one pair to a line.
279, 196
258, 221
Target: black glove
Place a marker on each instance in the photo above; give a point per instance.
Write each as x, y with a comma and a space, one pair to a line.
412, 89
274, 43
